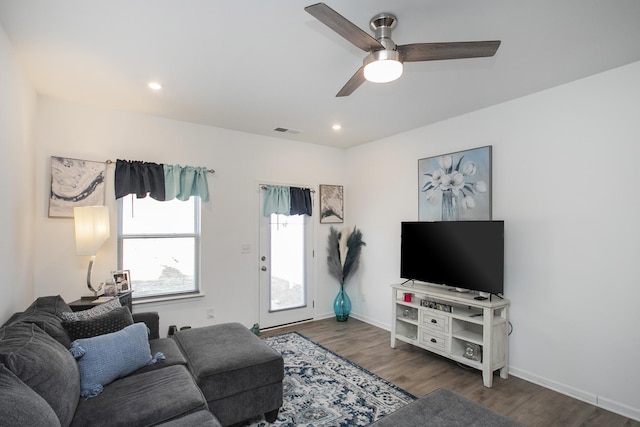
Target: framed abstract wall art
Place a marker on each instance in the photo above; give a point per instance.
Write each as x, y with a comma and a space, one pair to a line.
331, 204
75, 183
455, 186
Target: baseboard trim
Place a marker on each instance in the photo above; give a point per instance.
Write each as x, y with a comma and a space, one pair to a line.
579, 394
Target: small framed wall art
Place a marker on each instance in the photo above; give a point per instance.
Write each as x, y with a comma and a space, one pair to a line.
455, 186
331, 204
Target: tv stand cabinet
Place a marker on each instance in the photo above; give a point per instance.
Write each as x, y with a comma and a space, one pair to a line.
454, 325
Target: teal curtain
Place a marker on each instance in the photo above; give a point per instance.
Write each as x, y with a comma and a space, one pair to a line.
277, 199
182, 182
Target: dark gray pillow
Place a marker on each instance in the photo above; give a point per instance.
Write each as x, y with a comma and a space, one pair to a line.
20, 406
112, 321
44, 365
46, 312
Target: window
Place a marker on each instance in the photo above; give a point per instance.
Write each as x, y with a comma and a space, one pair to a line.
159, 242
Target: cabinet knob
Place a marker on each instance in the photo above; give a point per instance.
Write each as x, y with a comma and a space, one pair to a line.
434, 321
433, 340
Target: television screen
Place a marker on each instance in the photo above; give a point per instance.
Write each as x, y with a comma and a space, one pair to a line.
463, 254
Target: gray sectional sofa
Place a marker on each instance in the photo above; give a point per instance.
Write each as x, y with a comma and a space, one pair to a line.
47, 362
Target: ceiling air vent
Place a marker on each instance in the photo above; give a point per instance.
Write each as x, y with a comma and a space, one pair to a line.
285, 130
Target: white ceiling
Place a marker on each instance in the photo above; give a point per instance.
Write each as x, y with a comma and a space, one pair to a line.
254, 65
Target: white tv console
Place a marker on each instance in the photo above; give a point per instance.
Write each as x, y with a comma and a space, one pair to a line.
474, 332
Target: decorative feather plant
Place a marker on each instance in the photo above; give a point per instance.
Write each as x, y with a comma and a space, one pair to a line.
343, 253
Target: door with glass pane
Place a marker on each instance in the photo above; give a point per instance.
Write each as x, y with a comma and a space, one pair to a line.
286, 252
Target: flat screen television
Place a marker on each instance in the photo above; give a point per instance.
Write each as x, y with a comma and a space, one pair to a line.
467, 255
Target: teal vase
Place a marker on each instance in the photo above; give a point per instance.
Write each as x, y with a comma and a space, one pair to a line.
342, 305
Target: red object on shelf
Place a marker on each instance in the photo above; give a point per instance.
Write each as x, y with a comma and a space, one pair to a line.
407, 297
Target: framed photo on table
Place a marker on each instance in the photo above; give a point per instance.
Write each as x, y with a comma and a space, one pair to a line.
122, 280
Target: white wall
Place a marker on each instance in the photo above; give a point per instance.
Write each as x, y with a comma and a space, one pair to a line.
564, 181
17, 110
241, 161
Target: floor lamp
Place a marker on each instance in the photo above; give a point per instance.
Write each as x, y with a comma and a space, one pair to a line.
92, 230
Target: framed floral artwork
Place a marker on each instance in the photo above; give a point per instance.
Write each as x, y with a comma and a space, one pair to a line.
455, 186
331, 204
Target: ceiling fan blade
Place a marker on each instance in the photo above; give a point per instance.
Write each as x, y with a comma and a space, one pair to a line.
343, 26
354, 82
456, 50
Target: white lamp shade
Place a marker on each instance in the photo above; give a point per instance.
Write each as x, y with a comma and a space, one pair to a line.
92, 228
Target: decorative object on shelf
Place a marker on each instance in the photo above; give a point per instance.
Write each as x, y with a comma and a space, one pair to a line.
74, 183
455, 186
473, 351
92, 230
435, 305
331, 204
343, 260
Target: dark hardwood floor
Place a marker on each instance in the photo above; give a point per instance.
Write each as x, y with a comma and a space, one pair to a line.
420, 372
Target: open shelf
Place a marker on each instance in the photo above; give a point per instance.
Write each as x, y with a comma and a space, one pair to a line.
453, 325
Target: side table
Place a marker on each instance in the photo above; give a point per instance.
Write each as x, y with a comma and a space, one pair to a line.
86, 303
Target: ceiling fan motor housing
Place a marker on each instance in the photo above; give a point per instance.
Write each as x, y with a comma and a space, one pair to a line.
382, 24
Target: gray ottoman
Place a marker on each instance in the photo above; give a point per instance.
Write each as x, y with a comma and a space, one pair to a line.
445, 408
239, 375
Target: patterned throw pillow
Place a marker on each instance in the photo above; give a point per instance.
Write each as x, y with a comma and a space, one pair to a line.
96, 311
111, 321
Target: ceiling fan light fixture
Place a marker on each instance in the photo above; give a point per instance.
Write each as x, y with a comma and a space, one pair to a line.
383, 66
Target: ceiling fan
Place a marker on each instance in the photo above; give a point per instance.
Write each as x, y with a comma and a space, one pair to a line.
384, 63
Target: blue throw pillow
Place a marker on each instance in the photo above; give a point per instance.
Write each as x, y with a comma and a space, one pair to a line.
105, 358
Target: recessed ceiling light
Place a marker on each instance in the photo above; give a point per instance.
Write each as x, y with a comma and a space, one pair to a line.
336, 126
155, 85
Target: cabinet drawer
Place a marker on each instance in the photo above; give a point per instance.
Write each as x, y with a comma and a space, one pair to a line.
433, 340
435, 322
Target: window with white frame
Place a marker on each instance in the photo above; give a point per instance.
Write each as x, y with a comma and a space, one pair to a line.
159, 243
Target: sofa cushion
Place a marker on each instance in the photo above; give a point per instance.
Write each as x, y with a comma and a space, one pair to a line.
20, 405
109, 322
44, 365
171, 352
92, 312
195, 419
143, 400
46, 312
104, 358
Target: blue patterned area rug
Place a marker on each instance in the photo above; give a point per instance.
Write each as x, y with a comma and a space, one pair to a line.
324, 389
